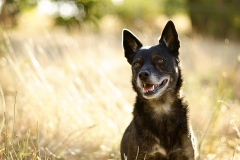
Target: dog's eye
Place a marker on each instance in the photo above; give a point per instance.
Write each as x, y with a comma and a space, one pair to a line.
159, 60
136, 64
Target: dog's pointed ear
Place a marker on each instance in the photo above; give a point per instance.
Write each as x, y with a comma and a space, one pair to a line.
130, 45
169, 37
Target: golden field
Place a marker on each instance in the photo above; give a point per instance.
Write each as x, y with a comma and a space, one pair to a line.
68, 95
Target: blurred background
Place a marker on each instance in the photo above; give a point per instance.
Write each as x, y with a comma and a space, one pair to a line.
65, 85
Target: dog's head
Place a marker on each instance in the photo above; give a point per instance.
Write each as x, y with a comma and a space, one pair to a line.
155, 68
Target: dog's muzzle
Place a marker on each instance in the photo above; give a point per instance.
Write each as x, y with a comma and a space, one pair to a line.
150, 85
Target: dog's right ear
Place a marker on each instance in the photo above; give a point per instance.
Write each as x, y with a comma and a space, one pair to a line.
130, 45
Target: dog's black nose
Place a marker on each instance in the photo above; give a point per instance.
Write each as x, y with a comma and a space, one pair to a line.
143, 75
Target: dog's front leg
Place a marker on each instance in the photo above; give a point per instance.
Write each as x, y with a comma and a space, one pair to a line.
178, 154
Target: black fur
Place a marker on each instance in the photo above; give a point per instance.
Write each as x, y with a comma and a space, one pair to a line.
160, 129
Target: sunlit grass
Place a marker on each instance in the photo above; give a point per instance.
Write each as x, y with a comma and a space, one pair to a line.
69, 95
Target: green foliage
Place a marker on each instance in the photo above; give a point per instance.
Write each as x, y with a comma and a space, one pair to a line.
216, 18
128, 11
131, 10
220, 19
172, 7
11, 8
88, 10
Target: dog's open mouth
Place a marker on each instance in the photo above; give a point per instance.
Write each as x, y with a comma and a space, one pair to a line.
149, 88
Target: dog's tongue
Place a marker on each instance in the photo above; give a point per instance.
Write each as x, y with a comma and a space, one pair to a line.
148, 87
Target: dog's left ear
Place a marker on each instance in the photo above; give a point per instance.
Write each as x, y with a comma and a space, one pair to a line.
169, 37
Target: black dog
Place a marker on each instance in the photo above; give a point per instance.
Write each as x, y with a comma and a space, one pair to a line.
160, 129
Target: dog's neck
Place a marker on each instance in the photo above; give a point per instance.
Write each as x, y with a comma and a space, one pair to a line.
160, 107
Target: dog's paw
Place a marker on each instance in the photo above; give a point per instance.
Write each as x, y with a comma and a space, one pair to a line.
178, 155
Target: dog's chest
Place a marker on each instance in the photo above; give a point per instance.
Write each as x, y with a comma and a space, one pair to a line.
156, 149
162, 109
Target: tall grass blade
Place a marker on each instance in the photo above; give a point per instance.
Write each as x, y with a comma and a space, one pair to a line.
3, 106
38, 143
6, 137
208, 127
14, 116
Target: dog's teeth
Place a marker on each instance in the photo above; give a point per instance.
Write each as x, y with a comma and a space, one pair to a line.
148, 87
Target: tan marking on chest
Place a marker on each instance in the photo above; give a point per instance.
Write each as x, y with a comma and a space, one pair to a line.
164, 108
158, 149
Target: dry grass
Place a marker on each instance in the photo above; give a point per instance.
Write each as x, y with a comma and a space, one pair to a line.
69, 95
